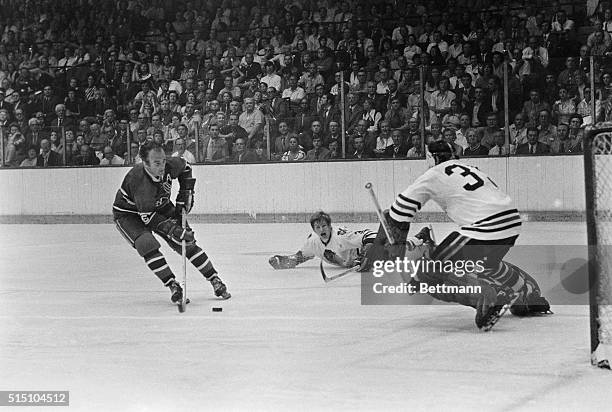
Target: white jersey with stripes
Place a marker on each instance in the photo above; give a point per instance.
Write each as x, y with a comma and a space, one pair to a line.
343, 242
467, 195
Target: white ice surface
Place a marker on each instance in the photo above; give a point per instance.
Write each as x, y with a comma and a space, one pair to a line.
80, 311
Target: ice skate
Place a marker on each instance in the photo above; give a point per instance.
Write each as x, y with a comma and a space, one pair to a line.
425, 235
219, 288
491, 306
177, 291
531, 305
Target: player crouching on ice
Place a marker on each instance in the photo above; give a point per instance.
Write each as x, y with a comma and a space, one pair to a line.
488, 227
142, 207
339, 246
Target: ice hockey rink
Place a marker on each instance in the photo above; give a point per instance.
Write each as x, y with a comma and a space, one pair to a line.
81, 312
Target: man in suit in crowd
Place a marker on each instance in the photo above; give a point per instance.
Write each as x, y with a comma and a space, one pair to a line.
533, 146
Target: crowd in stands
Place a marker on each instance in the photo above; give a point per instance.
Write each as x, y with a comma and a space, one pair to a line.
86, 82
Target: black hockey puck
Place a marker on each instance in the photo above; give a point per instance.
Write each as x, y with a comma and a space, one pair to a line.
217, 309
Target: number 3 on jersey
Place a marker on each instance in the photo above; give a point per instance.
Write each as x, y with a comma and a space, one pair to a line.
468, 174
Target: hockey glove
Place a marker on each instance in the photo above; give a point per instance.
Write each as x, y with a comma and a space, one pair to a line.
332, 257
362, 261
172, 230
185, 198
288, 262
282, 262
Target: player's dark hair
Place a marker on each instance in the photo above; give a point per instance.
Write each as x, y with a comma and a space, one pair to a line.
318, 216
441, 151
144, 150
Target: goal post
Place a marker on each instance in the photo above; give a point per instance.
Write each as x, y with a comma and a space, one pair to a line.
598, 190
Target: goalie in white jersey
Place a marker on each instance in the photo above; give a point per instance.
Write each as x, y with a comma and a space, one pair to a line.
489, 225
337, 246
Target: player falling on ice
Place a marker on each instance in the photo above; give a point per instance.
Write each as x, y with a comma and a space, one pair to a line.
488, 227
337, 246
142, 207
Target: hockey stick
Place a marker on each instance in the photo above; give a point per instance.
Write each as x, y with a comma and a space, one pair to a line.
183, 303
328, 279
379, 213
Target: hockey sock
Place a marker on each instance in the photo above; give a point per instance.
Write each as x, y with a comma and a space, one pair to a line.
200, 260
157, 263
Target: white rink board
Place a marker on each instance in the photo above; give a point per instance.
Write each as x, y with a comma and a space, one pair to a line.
81, 312
536, 184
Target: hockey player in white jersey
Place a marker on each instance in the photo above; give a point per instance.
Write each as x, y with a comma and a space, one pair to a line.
337, 246
489, 225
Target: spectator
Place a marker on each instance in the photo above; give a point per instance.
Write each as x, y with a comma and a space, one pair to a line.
295, 152
35, 135
384, 139
488, 132
474, 148
110, 158
547, 131
86, 157
440, 101
398, 116
251, 120
561, 143
271, 79
318, 152
359, 149
181, 151
533, 145
398, 149
371, 115
32, 158
479, 108
214, 148
334, 151
133, 157
575, 134
533, 107
15, 147
241, 154
293, 94
416, 151
565, 107
500, 148
47, 157
450, 136
306, 139
232, 131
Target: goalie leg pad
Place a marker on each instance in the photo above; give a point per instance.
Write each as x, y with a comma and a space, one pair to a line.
466, 299
530, 302
146, 243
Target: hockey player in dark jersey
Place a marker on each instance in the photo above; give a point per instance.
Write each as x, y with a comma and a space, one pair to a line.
488, 227
142, 207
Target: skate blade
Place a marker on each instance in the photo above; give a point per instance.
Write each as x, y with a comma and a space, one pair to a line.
181, 307
225, 296
496, 317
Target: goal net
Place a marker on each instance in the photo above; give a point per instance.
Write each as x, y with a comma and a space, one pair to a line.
598, 185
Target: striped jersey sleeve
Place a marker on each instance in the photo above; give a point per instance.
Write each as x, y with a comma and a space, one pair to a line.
411, 200
356, 238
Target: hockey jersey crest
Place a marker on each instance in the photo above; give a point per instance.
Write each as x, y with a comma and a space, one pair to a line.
140, 194
343, 242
